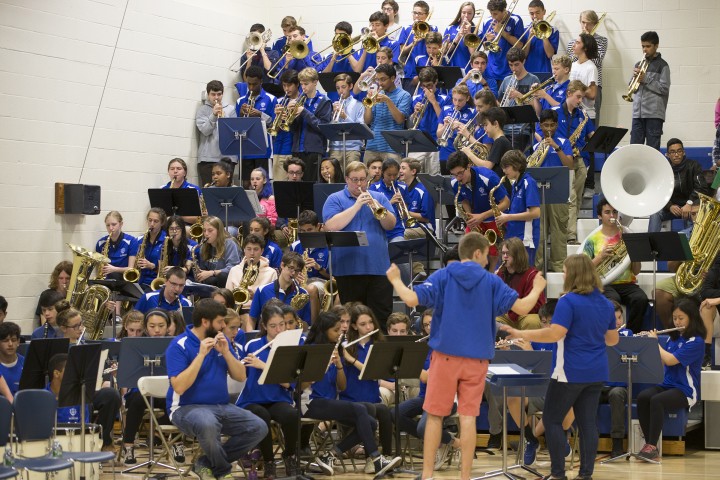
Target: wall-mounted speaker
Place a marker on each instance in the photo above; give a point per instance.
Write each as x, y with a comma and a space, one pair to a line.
76, 198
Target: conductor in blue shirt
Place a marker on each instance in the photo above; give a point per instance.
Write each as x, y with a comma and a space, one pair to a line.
198, 363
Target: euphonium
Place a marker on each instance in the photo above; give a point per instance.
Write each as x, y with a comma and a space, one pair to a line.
159, 281
634, 84
292, 113
196, 229
704, 245
403, 210
489, 233
241, 294
447, 132
132, 275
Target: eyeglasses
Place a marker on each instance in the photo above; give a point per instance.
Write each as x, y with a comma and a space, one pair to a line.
75, 327
174, 229
676, 152
294, 174
357, 180
505, 254
458, 173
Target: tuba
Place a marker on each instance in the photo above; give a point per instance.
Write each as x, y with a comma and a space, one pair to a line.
159, 281
241, 294
704, 244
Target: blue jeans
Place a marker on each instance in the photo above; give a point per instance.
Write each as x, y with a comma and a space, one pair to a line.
208, 422
647, 131
656, 219
584, 399
411, 408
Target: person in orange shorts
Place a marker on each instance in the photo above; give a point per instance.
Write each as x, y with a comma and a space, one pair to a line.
466, 299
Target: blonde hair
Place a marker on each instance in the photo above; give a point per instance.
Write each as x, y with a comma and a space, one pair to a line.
308, 75
355, 166
206, 250
580, 275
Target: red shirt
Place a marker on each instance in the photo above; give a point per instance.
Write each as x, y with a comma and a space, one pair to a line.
523, 284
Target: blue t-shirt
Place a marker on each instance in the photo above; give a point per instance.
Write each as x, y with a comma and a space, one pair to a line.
380, 187
406, 38
371, 260
120, 251
461, 57
157, 300
272, 290
558, 91
382, 120
418, 200
476, 87
185, 184
70, 414
568, 122
327, 387
581, 354
253, 391
371, 58
320, 255
498, 67
685, 375
358, 390
525, 194
11, 373
210, 386
537, 60
273, 253
466, 299
429, 121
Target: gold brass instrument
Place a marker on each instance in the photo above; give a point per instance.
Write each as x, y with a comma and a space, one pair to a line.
479, 149
602, 17
379, 212
512, 84
368, 82
241, 294
132, 275
575, 136
196, 229
537, 158
420, 29
159, 281
370, 100
277, 121
526, 96
339, 43
494, 44
84, 261
634, 84
105, 250
292, 113
471, 40
297, 48
94, 311
489, 233
416, 116
371, 44
540, 28
616, 257
250, 104
495, 209
448, 130
328, 298
476, 76
293, 228
222, 112
704, 245
89, 299
461, 141
300, 299
195, 255
255, 42
410, 222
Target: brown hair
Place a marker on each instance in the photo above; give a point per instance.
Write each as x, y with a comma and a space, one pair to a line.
64, 317
63, 266
355, 166
133, 316
470, 243
180, 161
398, 317
576, 85
516, 249
580, 275
352, 334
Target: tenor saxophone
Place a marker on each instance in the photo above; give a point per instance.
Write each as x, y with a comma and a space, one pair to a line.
495, 209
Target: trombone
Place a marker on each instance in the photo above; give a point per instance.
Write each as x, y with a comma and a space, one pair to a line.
541, 29
371, 44
297, 48
341, 44
420, 29
494, 44
255, 42
471, 40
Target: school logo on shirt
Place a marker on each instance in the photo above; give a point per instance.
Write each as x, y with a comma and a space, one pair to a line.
414, 204
481, 190
261, 105
321, 255
122, 251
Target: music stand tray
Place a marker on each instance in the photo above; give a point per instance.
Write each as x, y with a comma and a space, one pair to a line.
242, 136
230, 203
447, 76
335, 132
520, 114
35, 371
406, 141
604, 140
176, 201
327, 80
291, 198
321, 192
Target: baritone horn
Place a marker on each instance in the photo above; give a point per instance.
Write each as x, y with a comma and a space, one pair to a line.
704, 245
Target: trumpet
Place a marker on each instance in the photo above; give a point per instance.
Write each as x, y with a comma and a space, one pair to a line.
222, 113
476, 76
368, 82
292, 113
417, 116
660, 332
447, 131
379, 212
410, 222
275, 127
634, 84
297, 48
250, 104
370, 101
338, 112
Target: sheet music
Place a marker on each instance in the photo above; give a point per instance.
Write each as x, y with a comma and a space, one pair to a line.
101, 368
287, 338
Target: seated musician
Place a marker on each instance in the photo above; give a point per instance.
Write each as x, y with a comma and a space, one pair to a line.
224, 296
260, 182
316, 262
11, 362
59, 281
518, 274
331, 171
420, 203
430, 102
492, 121
555, 94
261, 226
169, 297
132, 324
217, 255
432, 57
150, 246
457, 113
512, 87
398, 325
282, 143
180, 247
177, 171
48, 299
285, 288
252, 248
106, 401
122, 247
709, 308
474, 185
600, 247
478, 65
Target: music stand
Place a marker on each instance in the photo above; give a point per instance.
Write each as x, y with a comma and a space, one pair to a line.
654, 246
399, 360
273, 88
244, 135
403, 251
143, 356
35, 370
634, 359
438, 186
232, 203
554, 185
604, 140
343, 132
327, 80
524, 114
321, 192
296, 365
292, 197
120, 290
176, 201
81, 378
447, 76
406, 141
332, 239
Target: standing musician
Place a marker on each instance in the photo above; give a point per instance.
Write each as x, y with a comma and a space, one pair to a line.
261, 226
359, 270
651, 100
256, 103
475, 184
419, 202
206, 119
177, 171
121, 249
384, 56
583, 325
511, 88
287, 24
429, 103
492, 120
462, 24
283, 142
346, 110
316, 263
522, 219
518, 273
484, 100
478, 65
309, 143
498, 67
217, 254
409, 47
625, 290
152, 242
285, 288
559, 154
432, 57
554, 95
180, 247
378, 28
389, 112
339, 62
539, 52
287, 61
391, 9
392, 189
169, 297
264, 57
452, 118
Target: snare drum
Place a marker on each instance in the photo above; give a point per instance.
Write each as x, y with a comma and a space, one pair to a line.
68, 435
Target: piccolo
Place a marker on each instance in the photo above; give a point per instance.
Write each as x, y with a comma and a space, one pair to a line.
505, 343
659, 332
346, 345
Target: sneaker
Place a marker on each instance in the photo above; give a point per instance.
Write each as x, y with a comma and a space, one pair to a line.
369, 466
441, 457
707, 362
384, 464
203, 472
495, 441
649, 452
269, 472
128, 455
530, 452
291, 466
178, 452
589, 193
327, 463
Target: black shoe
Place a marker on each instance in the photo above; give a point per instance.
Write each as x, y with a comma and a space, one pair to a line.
707, 362
495, 441
291, 466
385, 464
617, 447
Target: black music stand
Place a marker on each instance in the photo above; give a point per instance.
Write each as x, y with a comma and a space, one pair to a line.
35, 370
520, 114
403, 251
332, 239
343, 132
122, 291
176, 201
321, 192
399, 360
244, 135
230, 203
143, 356
291, 198
651, 247
296, 365
554, 185
327, 80
447, 76
634, 359
604, 140
438, 186
406, 141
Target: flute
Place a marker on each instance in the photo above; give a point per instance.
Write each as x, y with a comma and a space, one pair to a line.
345, 345
621, 327
256, 352
505, 343
422, 339
659, 332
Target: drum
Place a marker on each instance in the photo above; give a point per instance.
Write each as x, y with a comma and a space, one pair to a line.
68, 435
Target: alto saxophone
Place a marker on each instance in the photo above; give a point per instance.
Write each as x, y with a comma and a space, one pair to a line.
537, 158
159, 281
196, 229
495, 209
578, 130
241, 294
105, 250
489, 233
132, 275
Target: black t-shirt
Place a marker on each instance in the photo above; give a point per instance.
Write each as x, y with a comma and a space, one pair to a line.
498, 149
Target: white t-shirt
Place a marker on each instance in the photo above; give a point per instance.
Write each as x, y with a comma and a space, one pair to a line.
588, 74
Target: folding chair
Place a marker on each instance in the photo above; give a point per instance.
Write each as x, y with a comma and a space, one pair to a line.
5, 422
